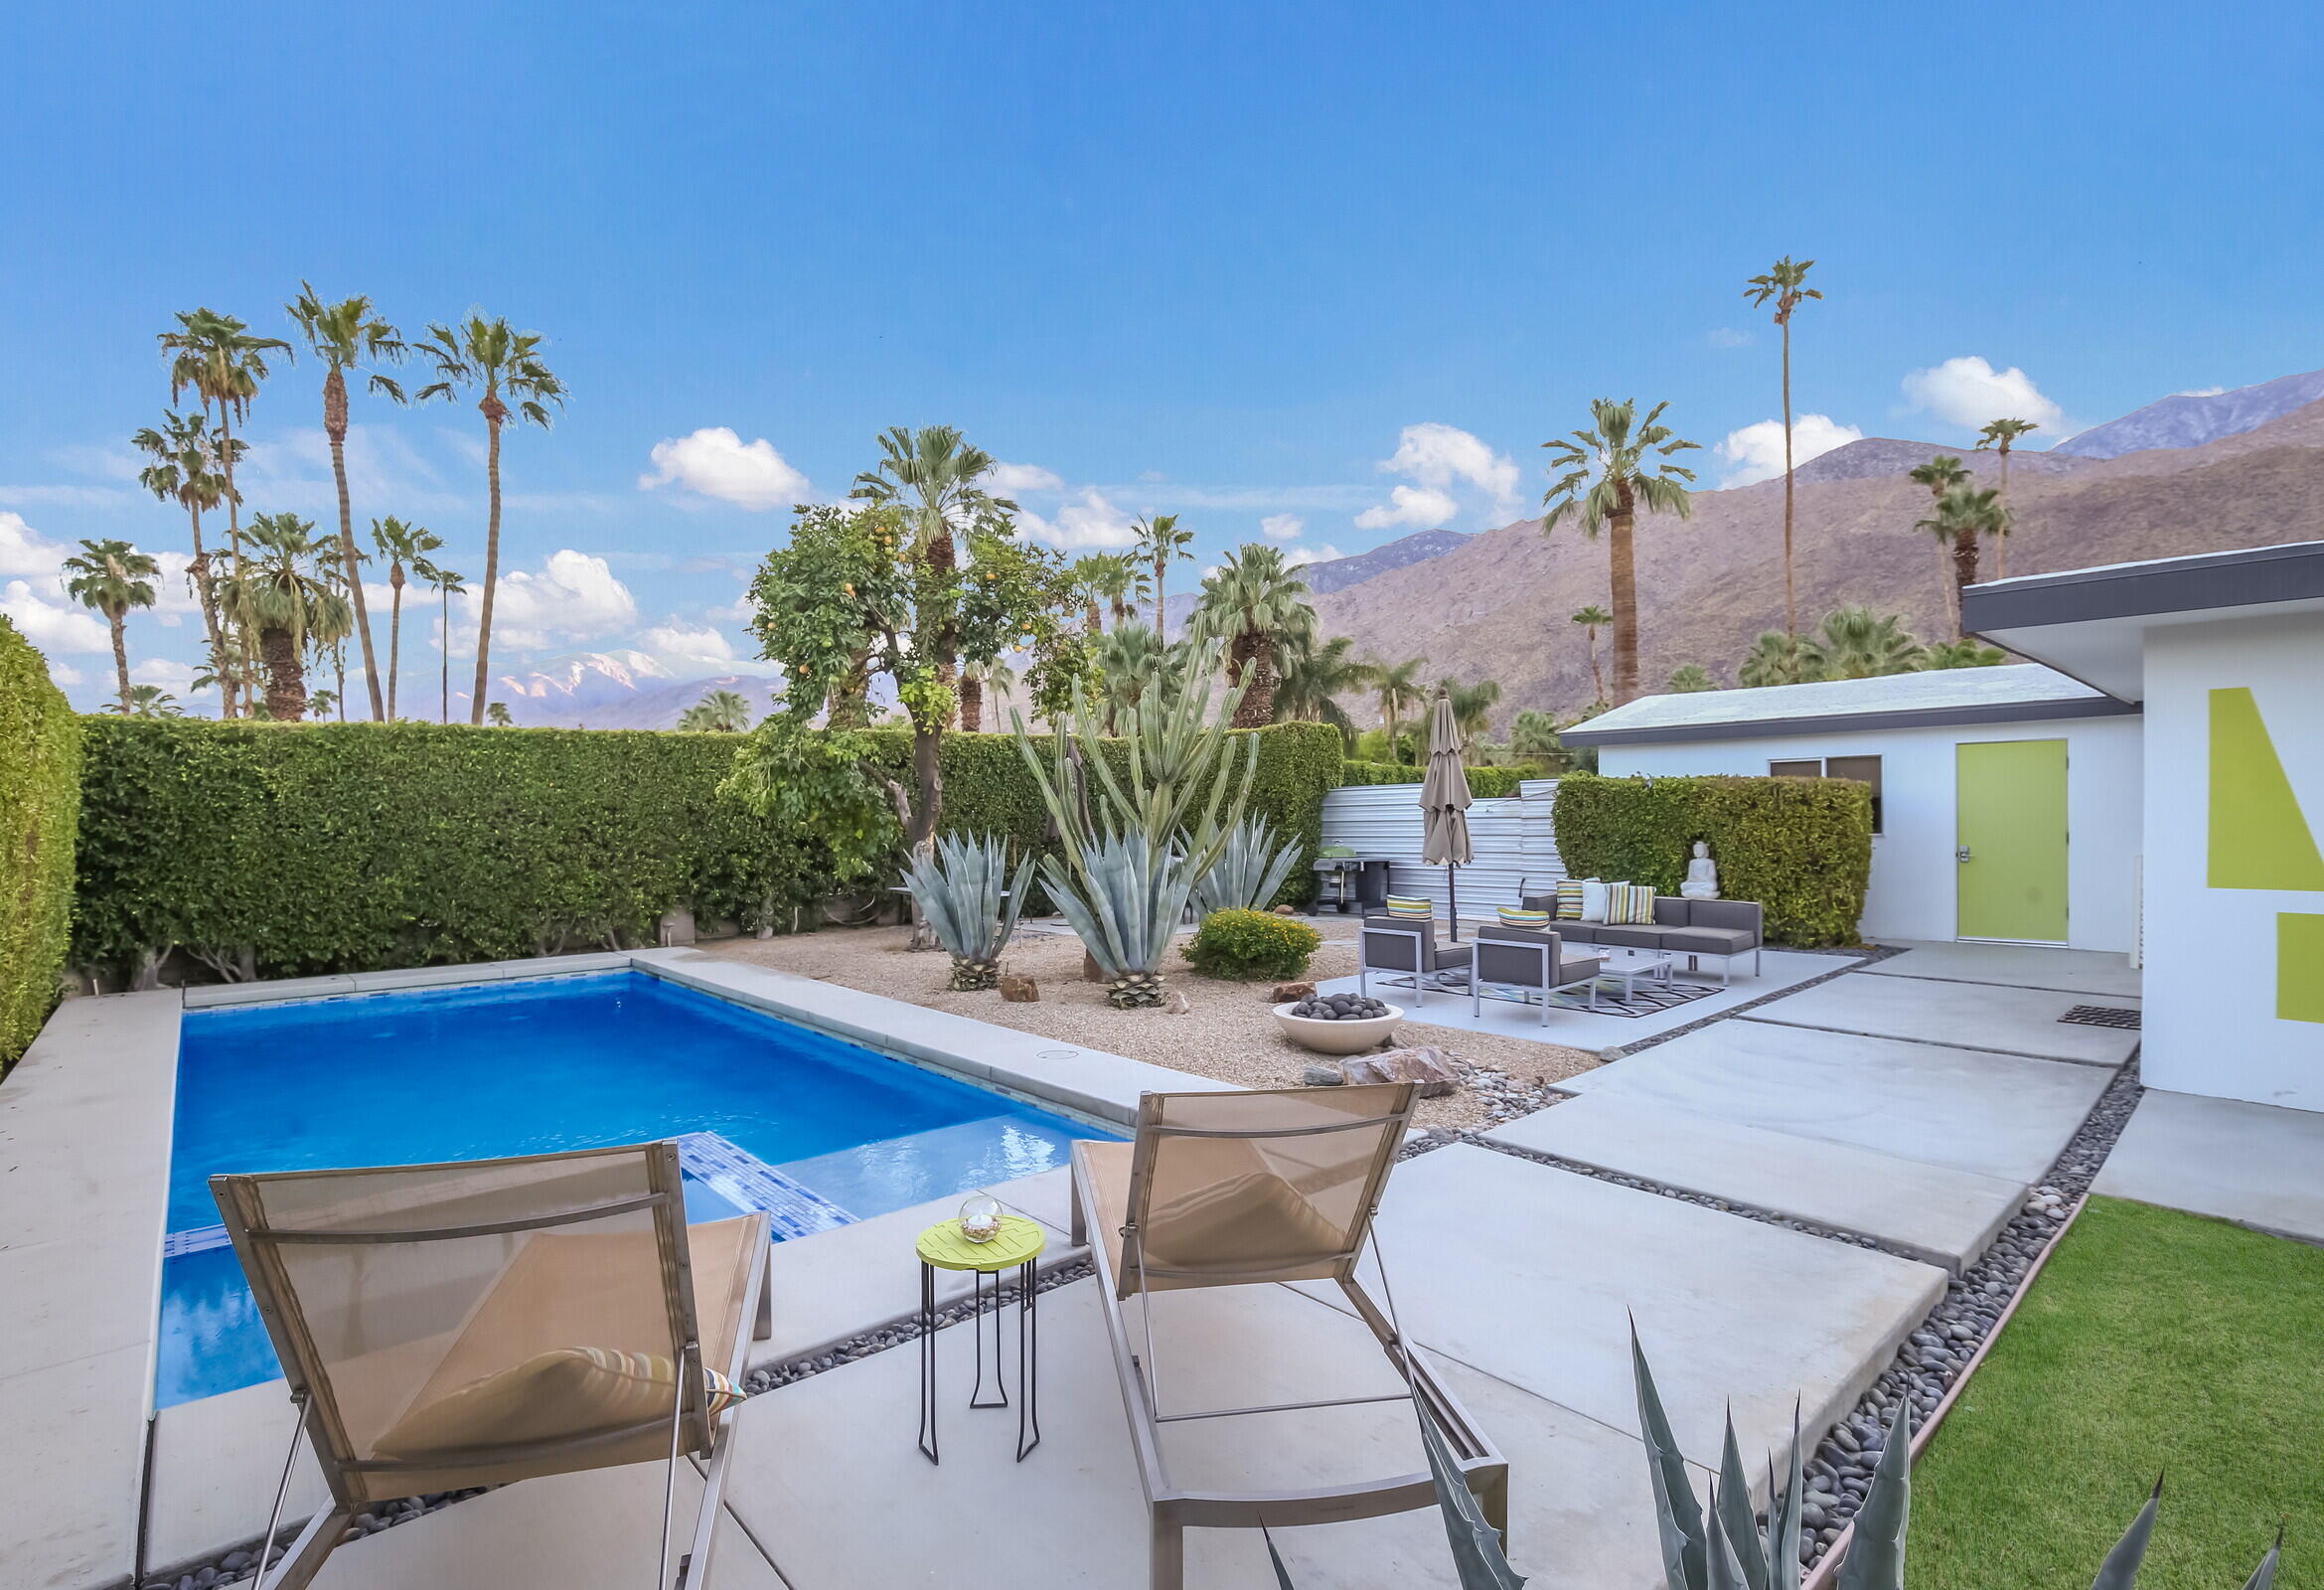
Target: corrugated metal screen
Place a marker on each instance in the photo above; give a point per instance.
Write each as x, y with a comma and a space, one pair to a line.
1512, 836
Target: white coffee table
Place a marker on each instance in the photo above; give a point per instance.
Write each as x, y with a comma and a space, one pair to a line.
1625, 966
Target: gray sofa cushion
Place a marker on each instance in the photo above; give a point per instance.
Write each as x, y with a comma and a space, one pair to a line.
1632, 936
1671, 910
1709, 941
1741, 915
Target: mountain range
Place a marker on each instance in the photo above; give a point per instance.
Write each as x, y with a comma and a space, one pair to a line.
2192, 472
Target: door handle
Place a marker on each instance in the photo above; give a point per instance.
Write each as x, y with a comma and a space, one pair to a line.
1961, 855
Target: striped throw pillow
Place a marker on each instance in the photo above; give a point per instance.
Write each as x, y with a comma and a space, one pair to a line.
1569, 900
1410, 907
1532, 921
1631, 904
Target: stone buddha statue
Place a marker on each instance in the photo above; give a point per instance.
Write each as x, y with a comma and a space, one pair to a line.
1702, 875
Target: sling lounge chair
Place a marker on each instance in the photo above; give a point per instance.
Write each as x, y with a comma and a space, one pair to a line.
1242, 1188
447, 1326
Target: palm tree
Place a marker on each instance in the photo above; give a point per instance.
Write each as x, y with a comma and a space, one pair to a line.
347, 336
112, 576
1610, 473
1398, 687
1690, 678
1160, 543
1121, 581
1473, 707
721, 712
976, 677
1941, 474
1132, 664
217, 356
400, 544
185, 470
1257, 604
1773, 659
1963, 513
1315, 675
497, 715
445, 582
1857, 643
1593, 618
151, 701
321, 703
507, 364
283, 594
1533, 734
1086, 578
1783, 283
2002, 434
933, 475
1965, 654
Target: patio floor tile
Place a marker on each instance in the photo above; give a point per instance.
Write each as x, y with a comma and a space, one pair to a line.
2259, 1164
2097, 973
1981, 1016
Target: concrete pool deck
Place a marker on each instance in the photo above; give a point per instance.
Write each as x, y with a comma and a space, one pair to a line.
87, 1120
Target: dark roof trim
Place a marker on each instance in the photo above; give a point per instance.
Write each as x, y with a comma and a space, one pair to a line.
1856, 723
2251, 577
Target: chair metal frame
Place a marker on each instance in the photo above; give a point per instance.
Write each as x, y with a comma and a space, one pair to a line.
1552, 962
1424, 972
318, 1420
1172, 1508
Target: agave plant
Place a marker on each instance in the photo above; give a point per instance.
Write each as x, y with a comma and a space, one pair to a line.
1124, 894
1248, 872
958, 886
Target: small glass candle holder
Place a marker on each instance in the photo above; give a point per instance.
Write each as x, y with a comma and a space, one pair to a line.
980, 1218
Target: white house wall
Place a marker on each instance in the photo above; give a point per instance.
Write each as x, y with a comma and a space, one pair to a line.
1915, 882
2210, 1023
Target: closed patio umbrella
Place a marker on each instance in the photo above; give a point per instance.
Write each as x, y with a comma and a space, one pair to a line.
1443, 804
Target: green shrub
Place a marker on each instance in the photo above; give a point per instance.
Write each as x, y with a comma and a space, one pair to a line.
1801, 846
1251, 946
278, 849
1484, 783
40, 779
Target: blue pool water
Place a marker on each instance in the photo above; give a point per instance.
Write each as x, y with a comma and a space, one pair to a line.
816, 1130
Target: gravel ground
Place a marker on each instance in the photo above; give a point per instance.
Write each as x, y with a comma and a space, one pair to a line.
1228, 1032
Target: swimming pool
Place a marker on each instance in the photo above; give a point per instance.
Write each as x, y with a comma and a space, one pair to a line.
768, 1115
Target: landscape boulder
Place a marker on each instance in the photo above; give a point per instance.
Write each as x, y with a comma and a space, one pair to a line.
1322, 1076
1019, 989
1091, 972
1290, 993
1427, 1065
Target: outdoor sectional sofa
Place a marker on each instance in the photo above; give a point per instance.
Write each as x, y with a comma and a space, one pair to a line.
1693, 928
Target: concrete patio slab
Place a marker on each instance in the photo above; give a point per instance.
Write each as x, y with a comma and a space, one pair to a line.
1997, 1115
74, 1433
1532, 1274
566, 1532
1581, 1029
1982, 1015
215, 1463
2258, 1165
2100, 975
827, 1478
1932, 1213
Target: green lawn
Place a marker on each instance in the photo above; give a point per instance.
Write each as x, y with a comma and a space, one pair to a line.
2154, 1341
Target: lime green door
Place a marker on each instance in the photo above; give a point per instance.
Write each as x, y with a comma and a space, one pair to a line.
2010, 805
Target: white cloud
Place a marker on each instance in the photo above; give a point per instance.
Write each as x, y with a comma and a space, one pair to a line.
1282, 527
25, 551
1440, 455
1757, 450
1088, 521
66, 674
1418, 508
2200, 392
1008, 480
1324, 554
573, 597
1729, 337
675, 639
1969, 392
716, 462
168, 673
53, 626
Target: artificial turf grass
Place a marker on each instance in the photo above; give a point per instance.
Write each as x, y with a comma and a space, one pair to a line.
2154, 1341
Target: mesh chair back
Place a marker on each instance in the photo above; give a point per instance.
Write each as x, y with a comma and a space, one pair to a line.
1227, 1189
1400, 945
471, 1323
1516, 957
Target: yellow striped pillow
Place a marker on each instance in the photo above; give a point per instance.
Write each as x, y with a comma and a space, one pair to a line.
1410, 907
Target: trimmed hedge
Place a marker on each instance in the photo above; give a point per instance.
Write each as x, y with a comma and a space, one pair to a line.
40, 771
278, 849
1801, 846
1484, 783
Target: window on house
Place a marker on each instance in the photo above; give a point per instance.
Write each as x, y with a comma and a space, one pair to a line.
1864, 769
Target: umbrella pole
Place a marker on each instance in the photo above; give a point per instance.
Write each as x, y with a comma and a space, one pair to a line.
1453, 899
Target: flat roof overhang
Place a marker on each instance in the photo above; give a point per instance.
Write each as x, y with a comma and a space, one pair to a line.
2090, 625
1853, 722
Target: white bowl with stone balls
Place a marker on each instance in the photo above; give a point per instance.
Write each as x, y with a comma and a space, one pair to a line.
1352, 1028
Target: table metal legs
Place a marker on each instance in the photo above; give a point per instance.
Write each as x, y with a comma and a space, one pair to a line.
1028, 1418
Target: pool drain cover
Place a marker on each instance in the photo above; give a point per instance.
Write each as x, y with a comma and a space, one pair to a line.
2102, 1016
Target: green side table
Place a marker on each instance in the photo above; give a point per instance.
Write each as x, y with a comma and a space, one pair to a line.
1015, 1245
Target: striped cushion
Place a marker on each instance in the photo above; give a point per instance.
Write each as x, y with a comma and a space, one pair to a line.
1569, 900
1410, 907
1631, 904
1536, 921
560, 1394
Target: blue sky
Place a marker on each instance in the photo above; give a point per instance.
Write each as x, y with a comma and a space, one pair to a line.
1216, 260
